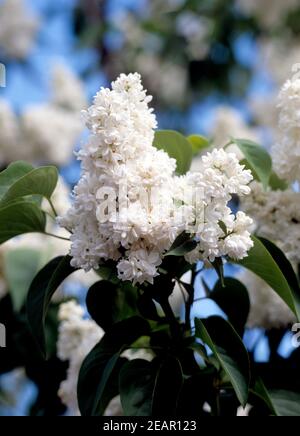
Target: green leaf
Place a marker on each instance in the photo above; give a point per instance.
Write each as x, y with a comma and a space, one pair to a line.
98, 381
110, 372
136, 388
196, 391
284, 264
223, 227
182, 245
108, 271
177, 147
219, 268
147, 307
19, 218
277, 184
12, 173
20, 267
41, 181
185, 248
261, 391
199, 143
100, 369
258, 160
286, 403
276, 272
40, 293
168, 384
200, 350
109, 303
230, 296
280, 402
230, 352
151, 389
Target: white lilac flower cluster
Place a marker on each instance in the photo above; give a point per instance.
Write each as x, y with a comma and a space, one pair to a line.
286, 152
18, 29
277, 10
120, 165
48, 132
268, 310
276, 216
77, 337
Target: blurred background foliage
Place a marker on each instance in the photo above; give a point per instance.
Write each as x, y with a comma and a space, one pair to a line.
214, 67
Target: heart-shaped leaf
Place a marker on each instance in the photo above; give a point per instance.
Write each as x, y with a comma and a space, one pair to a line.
40, 181
177, 147
229, 351
19, 218
40, 293
257, 159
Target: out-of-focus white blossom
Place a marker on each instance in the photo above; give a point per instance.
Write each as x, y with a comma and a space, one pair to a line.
9, 132
278, 55
171, 84
276, 216
118, 163
269, 13
114, 408
228, 123
268, 310
76, 331
68, 90
286, 152
142, 50
77, 337
44, 132
18, 29
266, 113
244, 411
50, 134
3, 283
196, 30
